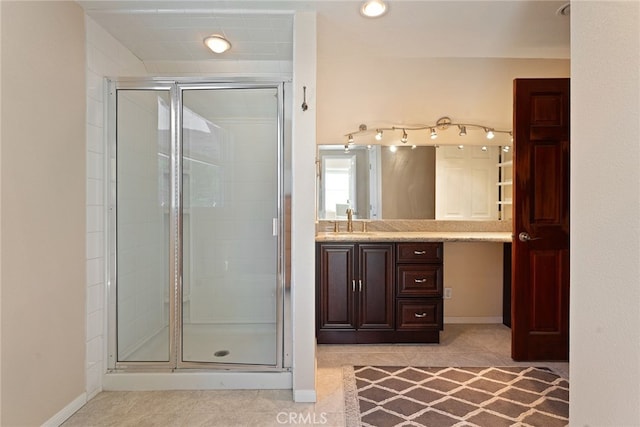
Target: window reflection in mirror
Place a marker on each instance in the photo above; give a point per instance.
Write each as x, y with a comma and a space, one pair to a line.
376, 182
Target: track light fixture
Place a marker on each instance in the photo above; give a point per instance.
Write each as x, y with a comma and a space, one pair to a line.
443, 123
490, 134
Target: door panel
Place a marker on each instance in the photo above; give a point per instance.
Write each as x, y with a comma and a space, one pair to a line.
540, 274
142, 226
376, 293
336, 310
230, 149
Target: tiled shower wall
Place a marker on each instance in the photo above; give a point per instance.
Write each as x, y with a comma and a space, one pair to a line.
105, 57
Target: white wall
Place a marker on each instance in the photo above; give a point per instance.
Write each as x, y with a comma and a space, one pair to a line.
105, 57
43, 221
605, 214
234, 252
303, 208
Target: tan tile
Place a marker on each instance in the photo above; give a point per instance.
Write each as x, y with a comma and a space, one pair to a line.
461, 345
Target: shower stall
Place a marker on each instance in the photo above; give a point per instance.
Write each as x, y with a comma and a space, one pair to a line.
198, 201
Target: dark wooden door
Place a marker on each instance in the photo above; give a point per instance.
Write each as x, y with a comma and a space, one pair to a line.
335, 300
540, 285
375, 286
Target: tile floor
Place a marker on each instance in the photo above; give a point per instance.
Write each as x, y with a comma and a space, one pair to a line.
461, 345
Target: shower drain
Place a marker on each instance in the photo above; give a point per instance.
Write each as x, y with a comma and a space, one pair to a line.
221, 353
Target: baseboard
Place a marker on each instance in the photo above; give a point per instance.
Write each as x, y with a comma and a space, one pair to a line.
304, 396
66, 412
452, 320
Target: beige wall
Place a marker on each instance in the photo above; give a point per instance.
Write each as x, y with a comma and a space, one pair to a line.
43, 209
473, 271
362, 89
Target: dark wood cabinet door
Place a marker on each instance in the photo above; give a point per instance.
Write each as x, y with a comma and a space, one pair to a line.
336, 287
375, 286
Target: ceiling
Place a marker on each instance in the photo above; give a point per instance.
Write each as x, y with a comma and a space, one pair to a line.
262, 30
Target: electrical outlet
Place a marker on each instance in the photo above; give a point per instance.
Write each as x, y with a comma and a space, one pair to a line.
448, 293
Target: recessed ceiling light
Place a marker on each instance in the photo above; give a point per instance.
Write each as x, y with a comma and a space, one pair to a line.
373, 8
217, 43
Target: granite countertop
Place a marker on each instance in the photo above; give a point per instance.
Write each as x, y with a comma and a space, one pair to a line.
415, 236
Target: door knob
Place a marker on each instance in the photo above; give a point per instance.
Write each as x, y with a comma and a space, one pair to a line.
525, 237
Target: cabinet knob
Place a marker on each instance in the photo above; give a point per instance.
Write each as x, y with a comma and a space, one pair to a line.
420, 315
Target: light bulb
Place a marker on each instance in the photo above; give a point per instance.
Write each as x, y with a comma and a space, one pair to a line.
434, 134
484, 148
404, 137
373, 8
217, 43
460, 147
490, 134
463, 130
350, 139
393, 148
378, 135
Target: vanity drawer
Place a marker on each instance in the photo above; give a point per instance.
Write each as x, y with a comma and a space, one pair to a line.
419, 280
428, 252
416, 314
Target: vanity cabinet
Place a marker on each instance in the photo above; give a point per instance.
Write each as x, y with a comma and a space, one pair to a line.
378, 292
419, 287
355, 300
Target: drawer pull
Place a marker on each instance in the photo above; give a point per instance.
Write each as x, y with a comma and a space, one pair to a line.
419, 252
353, 285
420, 280
360, 285
420, 315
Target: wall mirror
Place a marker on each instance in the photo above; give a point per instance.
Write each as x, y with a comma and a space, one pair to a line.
414, 182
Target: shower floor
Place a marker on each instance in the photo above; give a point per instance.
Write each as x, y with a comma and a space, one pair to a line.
250, 344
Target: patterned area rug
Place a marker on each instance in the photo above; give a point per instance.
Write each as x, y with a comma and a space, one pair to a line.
385, 396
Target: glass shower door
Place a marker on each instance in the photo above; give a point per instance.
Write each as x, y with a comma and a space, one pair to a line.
142, 222
230, 227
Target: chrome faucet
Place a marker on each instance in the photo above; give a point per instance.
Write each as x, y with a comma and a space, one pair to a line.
349, 220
